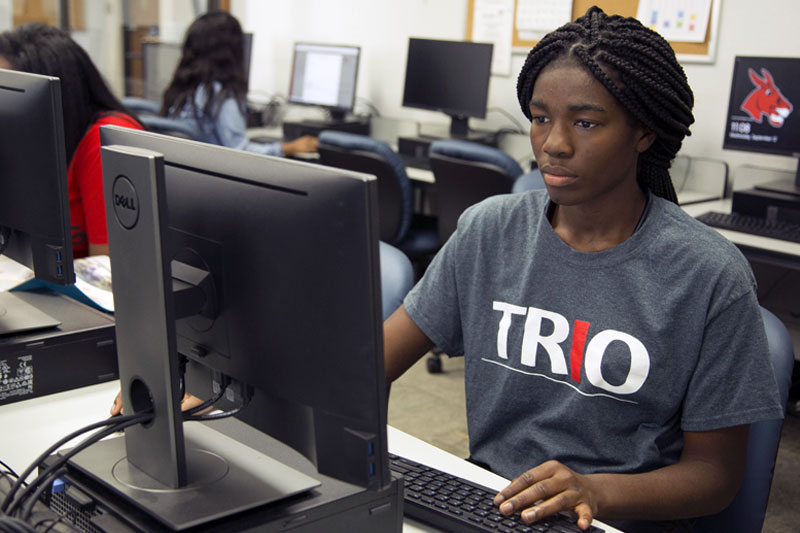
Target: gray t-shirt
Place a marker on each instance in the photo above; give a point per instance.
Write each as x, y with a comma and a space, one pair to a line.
599, 360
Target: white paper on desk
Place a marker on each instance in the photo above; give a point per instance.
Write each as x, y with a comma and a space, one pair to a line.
93, 278
676, 20
537, 17
493, 22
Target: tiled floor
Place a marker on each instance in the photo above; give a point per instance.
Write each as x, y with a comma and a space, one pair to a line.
431, 407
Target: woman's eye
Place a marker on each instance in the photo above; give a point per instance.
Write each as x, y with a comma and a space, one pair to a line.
539, 120
585, 124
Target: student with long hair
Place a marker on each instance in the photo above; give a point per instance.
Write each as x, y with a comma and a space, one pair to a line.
209, 90
614, 352
88, 103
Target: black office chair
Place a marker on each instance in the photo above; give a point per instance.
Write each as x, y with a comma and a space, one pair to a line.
414, 234
466, 173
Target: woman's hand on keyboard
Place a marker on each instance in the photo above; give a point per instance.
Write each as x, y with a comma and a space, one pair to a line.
546, 490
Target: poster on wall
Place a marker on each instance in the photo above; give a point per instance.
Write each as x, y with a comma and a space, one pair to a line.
535, 18
676, 20
493, 22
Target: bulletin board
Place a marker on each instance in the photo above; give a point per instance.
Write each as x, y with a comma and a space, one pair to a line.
688, 52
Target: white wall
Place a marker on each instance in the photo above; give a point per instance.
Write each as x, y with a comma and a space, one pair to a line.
382, 29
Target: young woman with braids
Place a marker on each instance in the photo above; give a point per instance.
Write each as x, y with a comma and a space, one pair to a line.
208, 91
88, 104
613, 354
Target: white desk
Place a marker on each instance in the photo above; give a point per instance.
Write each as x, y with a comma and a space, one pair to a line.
30, 426
764, 249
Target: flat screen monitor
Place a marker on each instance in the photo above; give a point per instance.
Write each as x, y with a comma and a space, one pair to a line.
160, 59
449, 76
284, 256
761, 116
34, 205
325, 75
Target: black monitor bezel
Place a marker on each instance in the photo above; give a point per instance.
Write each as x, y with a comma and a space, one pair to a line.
450, 111
236, 166
733, 107
41, 237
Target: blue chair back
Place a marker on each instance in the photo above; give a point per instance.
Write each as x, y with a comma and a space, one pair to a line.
397, 277
746, 513
141, 106
168, 126
360, 153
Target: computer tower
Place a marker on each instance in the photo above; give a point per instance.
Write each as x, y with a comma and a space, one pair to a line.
79, 352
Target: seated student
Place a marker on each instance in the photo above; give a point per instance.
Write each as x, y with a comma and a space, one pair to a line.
88, 104
209, 89
614, 350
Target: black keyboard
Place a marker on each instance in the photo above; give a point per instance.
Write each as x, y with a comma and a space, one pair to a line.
416, 162
775, 229
452, 503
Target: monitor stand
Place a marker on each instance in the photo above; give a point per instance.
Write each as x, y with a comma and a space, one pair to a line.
17, 316
225, 477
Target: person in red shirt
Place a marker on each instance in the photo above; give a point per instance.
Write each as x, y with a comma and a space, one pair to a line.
88, 103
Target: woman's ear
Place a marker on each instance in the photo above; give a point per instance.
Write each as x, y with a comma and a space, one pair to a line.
645, 139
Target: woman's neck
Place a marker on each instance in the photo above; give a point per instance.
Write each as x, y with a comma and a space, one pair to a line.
598, 227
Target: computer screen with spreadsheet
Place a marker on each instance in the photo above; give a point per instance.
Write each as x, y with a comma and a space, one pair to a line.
325, 75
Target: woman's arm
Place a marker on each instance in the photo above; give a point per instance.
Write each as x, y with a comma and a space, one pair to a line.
403, 343
702, 482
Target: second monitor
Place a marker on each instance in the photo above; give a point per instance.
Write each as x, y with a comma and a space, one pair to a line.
325, 75
451, 77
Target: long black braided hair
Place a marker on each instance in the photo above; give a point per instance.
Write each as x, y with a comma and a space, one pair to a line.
652, 84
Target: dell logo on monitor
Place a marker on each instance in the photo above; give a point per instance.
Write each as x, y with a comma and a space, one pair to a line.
126, 203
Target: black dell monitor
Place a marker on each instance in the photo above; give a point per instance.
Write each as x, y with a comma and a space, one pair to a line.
261, 276
325, 75
761, 116
34, 204
449, 76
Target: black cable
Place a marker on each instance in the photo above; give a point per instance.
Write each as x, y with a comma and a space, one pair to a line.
509, 116
197, 408
21, 479
120, 423
9, 524
27, 507
218, 416
9, 469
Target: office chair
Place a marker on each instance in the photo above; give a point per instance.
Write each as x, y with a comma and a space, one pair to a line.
397, 277
168, 126
746, 512
141, 106
466, 173
414, 234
